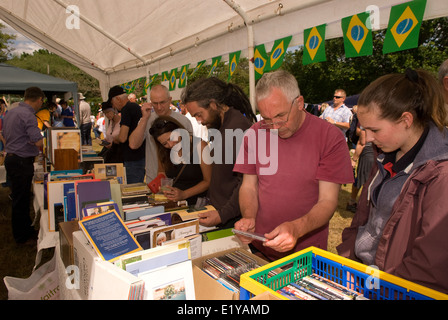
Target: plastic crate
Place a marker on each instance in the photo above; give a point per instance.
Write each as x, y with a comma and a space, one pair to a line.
372, 283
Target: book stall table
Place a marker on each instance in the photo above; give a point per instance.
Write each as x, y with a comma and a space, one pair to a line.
371, 283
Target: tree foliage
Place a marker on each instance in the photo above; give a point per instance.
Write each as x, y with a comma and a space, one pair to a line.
6, 41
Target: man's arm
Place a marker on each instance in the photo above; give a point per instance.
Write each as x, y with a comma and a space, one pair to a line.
285, 236
138, 135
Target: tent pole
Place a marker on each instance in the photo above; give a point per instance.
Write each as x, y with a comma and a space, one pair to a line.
250, 46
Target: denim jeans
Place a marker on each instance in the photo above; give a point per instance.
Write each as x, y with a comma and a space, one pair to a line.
135, 171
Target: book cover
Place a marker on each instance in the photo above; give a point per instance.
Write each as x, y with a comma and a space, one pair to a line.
109, 235
174, 282
97, 208
178, 231
91, 191
136, 213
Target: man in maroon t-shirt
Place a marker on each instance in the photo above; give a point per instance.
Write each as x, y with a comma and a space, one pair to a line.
291, 198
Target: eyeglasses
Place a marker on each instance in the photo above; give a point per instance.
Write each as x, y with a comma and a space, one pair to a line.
161, 103
280, 123
338, 97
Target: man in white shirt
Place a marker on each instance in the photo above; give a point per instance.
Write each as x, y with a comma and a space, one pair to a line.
160, 102
338, 114
84, 119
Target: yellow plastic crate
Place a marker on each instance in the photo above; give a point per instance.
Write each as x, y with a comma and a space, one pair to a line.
372, 283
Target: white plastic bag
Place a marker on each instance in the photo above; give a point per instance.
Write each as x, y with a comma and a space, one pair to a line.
43, 284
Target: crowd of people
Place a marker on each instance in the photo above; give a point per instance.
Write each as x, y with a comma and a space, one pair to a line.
392, 146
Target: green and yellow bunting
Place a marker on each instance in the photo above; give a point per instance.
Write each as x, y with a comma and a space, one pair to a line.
234, 59
199, 66
172, 79
183, 76
260, 60
404, 26
165, 76
148, 83
278, 53
215, 62
314, 45
129, 87
357, 33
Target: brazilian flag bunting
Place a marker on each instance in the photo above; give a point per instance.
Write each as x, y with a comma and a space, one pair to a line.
314, 45
357, 33
260, 60
199, 66
165, 76
404, 26
183, 76
148, 83
234, 58
129, 87
215, 62
172, 79
278, 53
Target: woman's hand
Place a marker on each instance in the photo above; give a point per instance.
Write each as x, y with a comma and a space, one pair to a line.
174, 194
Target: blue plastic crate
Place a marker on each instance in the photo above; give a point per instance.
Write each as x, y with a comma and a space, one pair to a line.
372, 283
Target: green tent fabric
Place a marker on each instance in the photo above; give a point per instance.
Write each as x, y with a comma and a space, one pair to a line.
15, 80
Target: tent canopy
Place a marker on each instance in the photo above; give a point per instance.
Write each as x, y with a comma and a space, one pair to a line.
14, 80
119, 41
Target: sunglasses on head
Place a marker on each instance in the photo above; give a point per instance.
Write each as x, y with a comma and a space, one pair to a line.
157, 126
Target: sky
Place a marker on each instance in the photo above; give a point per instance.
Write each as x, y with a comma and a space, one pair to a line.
21, 44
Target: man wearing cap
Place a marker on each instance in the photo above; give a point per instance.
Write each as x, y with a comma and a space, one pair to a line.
131, 113
84, 121
23, 141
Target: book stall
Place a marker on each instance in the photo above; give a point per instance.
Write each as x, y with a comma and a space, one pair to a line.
119, 241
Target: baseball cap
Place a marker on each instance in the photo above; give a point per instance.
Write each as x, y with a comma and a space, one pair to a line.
115, 91
106, 106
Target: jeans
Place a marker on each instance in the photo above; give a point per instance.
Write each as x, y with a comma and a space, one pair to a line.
20, 173
86, 134
135, 171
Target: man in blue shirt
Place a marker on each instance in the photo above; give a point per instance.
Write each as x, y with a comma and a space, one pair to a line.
23, 142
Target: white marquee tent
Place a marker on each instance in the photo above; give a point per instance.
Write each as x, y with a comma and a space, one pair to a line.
117, 41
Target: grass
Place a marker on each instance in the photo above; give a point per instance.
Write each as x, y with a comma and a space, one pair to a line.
19, 260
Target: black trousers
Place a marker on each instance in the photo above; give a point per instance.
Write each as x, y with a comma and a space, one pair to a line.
86, 134
20, 173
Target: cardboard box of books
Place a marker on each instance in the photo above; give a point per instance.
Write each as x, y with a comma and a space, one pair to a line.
210, 284
66, 230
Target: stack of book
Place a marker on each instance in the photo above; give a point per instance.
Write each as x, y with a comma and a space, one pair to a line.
315, 287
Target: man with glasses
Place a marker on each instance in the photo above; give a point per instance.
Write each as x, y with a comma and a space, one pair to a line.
160, 102
338, 114
292, 206
131, 113
23, 142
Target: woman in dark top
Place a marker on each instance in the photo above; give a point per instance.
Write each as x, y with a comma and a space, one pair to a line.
183, 161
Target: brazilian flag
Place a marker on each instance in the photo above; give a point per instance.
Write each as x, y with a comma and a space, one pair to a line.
234, 58
357, 34
278, 53
183, 76
404, 26
148, 83
314, 45
172, 79
215, 62
165, 76
260, 61
198, 66
129, 87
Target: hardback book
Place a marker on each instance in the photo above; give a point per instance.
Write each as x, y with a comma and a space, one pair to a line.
109, 235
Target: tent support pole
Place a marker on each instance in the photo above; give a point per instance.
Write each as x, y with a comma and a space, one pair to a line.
250, 48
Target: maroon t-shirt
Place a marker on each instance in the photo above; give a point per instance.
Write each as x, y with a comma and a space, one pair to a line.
288, 178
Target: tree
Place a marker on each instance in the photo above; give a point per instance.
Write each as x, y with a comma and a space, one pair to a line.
6, 40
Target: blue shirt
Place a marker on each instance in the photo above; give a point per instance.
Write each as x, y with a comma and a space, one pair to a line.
21, 132
68, 122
